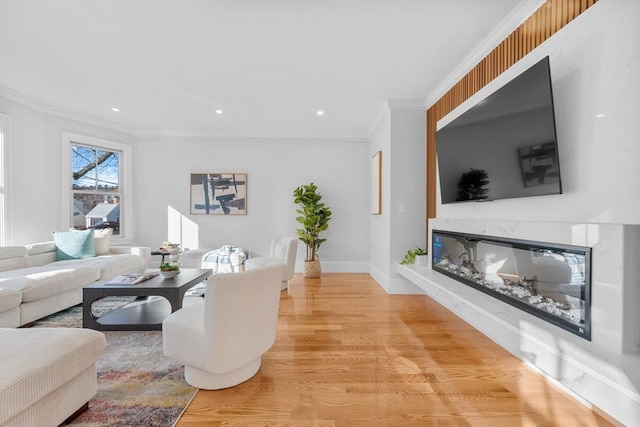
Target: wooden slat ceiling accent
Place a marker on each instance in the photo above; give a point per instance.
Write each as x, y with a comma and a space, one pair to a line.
542, 24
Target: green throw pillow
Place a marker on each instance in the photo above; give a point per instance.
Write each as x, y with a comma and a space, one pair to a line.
74, 244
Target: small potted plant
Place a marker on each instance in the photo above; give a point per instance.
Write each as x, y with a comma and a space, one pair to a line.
169, 271
417, 256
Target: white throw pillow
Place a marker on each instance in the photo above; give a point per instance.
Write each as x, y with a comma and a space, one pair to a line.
101, 240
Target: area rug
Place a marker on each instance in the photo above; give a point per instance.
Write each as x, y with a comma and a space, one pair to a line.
137, 385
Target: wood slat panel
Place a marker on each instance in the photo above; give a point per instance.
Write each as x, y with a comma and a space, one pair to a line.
348, 354
542, 24
431, 162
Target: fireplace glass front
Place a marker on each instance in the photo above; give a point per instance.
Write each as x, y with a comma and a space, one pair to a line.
547, 280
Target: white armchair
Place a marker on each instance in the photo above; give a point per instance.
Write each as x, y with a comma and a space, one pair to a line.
222, 340
284, 250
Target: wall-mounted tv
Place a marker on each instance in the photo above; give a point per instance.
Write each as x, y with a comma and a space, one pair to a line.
504, 146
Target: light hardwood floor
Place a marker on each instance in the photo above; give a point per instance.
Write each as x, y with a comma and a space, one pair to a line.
349, 354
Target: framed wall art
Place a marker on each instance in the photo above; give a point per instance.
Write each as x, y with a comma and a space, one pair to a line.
218, 193
376, 183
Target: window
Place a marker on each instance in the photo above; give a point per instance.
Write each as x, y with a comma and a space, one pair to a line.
96, 189
4, 221
96, 194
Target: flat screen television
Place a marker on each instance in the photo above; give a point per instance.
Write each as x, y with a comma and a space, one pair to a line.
504, 146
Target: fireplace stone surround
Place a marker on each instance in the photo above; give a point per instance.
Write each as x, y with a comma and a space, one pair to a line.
603, 372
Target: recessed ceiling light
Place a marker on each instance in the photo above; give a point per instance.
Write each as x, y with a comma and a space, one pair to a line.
116, 109
320, 113
599, 116
218, 111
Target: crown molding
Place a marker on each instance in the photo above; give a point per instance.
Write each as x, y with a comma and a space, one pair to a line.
517, 16
61, 112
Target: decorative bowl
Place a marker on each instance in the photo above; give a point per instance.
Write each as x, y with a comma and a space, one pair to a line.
170, 274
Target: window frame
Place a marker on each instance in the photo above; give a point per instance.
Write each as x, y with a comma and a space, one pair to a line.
125, 184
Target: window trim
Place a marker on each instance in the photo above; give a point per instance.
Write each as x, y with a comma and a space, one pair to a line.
125, 166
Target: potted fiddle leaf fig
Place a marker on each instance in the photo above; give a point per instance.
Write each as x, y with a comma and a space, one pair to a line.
313, 216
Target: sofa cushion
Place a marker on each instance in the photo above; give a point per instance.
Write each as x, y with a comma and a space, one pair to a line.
40, 282
74, 244
108, 265
9, 299
10, 318
27, 376
41, 248
12, 257
13, 263
9, 308
12, 251
41, 253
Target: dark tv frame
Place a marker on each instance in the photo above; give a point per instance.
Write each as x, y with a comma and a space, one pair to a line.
529, 177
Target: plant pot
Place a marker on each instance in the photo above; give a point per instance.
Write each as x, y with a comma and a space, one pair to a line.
170, 274
312, 269
422, 260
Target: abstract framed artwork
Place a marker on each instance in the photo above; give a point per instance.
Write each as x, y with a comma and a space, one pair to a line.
376, 183
218, 193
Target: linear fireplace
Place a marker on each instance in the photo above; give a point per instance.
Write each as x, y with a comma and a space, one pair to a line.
550, 281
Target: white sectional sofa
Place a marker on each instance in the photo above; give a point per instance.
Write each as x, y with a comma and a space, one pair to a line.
48, 375
33, 284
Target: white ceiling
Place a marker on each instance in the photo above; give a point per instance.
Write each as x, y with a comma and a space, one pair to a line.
268, 65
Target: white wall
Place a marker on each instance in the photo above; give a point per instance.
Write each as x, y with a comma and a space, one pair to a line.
380, 225
400, 134
407, 206
274, 169
34, 173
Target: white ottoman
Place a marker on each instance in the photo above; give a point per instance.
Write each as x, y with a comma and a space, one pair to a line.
47, 374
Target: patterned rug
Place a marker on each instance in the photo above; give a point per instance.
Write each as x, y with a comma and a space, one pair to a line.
137, 385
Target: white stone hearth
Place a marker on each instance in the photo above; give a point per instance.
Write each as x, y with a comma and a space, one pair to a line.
605, 371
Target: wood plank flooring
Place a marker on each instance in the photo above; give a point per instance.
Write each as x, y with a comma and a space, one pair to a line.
349, 354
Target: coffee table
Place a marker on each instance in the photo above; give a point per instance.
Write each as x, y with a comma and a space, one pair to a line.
144, 314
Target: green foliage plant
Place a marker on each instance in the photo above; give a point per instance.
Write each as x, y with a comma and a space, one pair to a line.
168, 267
313, 216
410, 256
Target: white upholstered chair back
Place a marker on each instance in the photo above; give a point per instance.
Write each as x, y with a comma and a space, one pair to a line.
285, 249
241, 312
221, 342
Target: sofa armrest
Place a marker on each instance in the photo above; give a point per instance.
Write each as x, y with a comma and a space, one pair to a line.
143, 251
